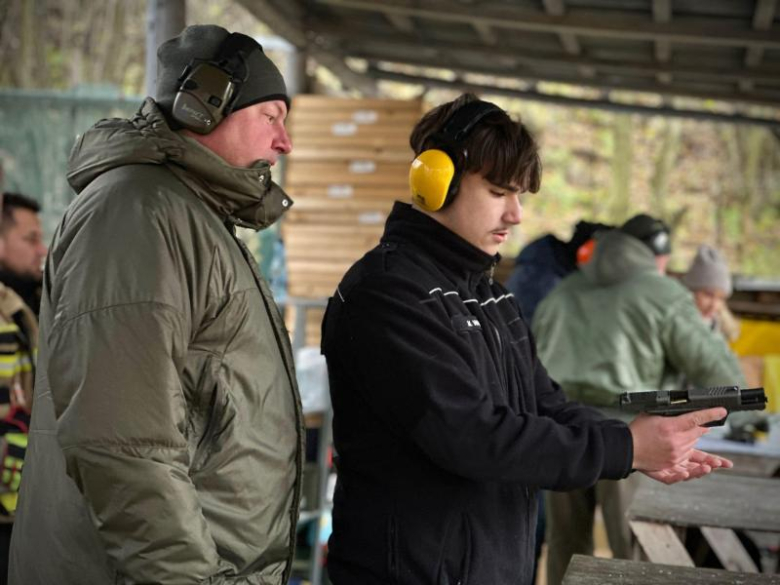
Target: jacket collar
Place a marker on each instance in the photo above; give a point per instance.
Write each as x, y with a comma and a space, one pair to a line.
28, 289
408, 225
244, 196
618, 257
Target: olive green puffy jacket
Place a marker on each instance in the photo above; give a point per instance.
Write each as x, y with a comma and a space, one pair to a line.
618, 326
166, 439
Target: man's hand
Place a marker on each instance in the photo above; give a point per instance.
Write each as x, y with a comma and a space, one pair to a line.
665, 445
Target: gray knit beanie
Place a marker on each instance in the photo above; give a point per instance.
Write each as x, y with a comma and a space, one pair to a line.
708, 271
264, 81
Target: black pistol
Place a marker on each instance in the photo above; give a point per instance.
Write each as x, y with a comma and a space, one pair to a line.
675, 402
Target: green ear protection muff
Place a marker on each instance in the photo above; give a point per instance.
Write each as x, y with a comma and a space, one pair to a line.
208, 89
434, 177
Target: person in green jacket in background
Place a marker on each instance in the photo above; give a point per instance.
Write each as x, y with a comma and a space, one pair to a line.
167, 436
620, 325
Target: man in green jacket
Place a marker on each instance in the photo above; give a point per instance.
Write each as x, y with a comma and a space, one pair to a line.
620, 325
166, 437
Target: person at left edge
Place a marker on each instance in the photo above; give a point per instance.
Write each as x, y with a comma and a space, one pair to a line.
18, 338
167, 431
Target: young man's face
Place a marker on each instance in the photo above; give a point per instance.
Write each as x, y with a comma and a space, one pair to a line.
24, 250
250, 134
482, 213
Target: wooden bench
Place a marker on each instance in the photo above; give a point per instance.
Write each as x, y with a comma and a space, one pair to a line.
758, 459
717, 504
595, 571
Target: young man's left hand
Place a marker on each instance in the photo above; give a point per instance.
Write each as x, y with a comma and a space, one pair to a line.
697, 465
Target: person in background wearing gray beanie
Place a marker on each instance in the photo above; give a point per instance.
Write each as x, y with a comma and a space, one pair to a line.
166, 440
709, 280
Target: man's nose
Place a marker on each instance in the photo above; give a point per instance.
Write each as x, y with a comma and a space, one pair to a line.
514, 211
282, 142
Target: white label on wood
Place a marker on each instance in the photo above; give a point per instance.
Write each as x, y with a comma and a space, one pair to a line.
340, 191
344, 129
371, 217
365, 117
362, 167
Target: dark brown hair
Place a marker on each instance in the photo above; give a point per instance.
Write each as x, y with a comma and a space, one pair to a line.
499, 148
12, 201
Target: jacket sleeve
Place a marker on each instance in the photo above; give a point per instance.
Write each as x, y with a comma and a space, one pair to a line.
419, 375
700, 354
122, 310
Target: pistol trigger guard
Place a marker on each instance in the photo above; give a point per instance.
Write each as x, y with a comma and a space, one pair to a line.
717, 423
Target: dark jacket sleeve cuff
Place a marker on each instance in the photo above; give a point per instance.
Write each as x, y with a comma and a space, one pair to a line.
618, 451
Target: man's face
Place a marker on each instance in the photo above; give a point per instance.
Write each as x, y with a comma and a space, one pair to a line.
24, 250
482, 213
709, 301
253, 133
661, 262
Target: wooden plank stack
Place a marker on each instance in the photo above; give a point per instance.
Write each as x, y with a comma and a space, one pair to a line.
350, 161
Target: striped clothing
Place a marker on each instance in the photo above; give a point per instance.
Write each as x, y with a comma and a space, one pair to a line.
18, 339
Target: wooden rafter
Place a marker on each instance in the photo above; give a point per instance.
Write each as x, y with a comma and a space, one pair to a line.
704, 92
622, 26
662, 13
763, 16
292, 30
369, 40
603, 104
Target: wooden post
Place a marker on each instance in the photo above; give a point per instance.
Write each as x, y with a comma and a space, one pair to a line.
164, 20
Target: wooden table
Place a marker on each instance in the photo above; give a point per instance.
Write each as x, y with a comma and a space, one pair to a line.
595, 571
758, 459
717, 504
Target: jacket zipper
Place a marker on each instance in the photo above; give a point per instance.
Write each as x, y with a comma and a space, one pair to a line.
286, 353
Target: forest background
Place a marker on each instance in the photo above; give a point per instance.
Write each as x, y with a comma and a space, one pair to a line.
715, 183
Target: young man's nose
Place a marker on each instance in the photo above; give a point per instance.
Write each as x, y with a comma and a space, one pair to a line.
514, 210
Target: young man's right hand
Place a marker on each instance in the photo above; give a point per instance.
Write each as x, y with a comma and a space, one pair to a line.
664, 446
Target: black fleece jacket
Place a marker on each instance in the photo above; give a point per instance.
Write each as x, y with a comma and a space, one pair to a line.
445, 421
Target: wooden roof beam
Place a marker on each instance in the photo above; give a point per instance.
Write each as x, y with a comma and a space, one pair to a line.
366, 41
292, 30
662, 13
574, 102
763, 16
486, 33
763, 98
624, 26
400, 21
348, 77
569, 40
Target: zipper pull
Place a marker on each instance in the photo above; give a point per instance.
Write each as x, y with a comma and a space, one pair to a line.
492, 270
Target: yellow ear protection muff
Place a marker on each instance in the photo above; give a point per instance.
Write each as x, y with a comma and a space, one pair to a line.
208, 89
434, 177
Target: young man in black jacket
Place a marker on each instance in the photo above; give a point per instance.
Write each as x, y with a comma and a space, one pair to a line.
446, 423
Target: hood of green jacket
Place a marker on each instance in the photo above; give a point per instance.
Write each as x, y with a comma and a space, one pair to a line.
618, 257
245, 196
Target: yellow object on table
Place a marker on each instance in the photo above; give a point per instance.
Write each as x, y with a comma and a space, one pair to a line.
762, 339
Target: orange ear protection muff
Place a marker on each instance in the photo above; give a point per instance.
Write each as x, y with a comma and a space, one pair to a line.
434, 177
585, 252
208, 89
